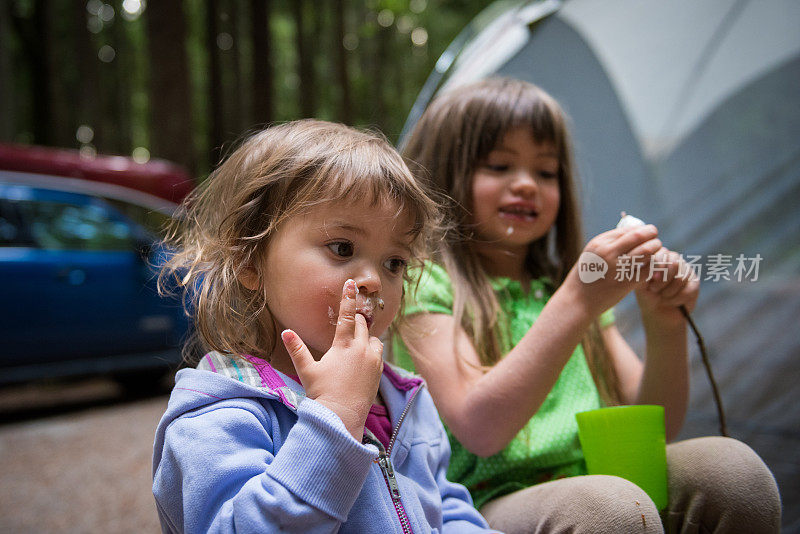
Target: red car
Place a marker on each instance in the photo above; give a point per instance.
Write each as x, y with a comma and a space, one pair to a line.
156, 177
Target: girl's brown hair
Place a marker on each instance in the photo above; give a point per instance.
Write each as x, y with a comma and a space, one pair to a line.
272, 176
453, 136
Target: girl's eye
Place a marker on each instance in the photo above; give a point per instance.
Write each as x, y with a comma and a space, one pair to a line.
547, 175
343, 249
497, 168
395, 265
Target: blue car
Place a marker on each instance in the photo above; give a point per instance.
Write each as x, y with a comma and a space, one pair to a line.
77, 282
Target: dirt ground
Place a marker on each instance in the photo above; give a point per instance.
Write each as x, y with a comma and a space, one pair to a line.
76, 458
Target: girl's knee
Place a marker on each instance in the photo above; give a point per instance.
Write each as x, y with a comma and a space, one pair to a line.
596, 504
719, 481
613, 504
718, 461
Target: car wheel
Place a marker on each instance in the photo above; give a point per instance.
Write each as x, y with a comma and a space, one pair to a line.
143, 383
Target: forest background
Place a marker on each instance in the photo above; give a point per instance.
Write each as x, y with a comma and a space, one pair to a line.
183, 80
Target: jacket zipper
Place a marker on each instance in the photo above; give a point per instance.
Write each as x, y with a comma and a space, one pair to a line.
394, 490
385, 463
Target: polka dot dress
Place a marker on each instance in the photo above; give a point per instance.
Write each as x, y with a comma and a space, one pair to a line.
547, 447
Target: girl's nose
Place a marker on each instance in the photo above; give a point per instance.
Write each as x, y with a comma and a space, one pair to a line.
368, 282
524, 184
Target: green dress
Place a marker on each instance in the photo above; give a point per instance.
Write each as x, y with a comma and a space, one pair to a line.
547, 448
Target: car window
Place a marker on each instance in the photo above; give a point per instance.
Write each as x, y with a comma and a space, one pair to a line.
13, 231
154, 221
62, 226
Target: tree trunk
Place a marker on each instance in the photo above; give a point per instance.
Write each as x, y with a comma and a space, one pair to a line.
238, 98
88, 97
7, 90
170, 107
33, 35
304, 61
59, 71
43, 102
263, 94
380, 60
215, 100
321, 64
120, 103
345, 113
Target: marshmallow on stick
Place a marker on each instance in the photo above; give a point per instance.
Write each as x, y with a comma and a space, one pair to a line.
628, 221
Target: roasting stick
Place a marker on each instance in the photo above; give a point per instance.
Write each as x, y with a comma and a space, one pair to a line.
627, 221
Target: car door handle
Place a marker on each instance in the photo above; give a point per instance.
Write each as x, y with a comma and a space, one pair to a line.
73, 277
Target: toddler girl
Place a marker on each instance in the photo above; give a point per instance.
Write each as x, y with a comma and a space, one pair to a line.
293, 256
512, 343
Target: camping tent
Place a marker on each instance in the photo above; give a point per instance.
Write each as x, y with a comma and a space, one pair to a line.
685, 114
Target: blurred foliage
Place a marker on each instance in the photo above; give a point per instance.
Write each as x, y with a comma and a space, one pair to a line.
77, 73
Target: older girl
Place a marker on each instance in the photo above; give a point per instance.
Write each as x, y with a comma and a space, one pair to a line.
512, 343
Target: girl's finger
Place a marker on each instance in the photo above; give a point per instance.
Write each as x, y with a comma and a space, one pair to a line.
686, 297
298, 352
677, 275
645, 250
657, 278
632, 238
675, 287
669, 264
608, 236
346, 323
376, 344
361, 330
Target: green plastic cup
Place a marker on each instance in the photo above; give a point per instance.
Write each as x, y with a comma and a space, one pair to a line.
629, 442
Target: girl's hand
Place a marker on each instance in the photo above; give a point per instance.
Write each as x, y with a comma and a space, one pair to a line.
671, 284
346, 378
599, 294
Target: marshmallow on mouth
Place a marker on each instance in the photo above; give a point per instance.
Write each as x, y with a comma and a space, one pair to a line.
365, 306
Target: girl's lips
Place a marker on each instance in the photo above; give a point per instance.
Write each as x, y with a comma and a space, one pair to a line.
366, 306
518, 216
369, 318
519, 211
333, 317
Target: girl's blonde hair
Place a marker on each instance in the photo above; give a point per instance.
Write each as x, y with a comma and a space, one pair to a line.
273, 175
453, 136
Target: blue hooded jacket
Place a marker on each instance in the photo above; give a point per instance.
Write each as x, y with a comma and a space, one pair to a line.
241, 449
